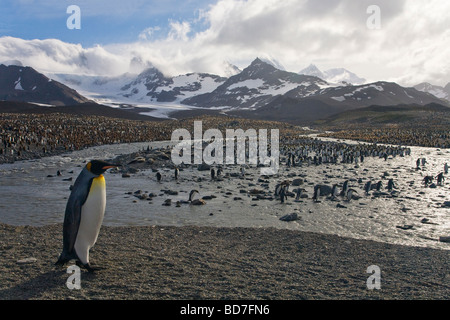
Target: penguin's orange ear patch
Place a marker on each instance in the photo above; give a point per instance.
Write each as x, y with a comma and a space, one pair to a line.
88, 166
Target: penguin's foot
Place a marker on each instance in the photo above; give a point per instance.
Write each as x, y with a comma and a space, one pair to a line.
88, 267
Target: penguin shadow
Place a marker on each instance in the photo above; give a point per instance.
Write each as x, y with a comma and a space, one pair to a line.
35, 287
51, 281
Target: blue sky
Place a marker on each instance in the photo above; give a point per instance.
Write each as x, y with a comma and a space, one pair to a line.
102, 22
181, 36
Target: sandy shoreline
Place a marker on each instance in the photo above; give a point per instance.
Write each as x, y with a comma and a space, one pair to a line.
172, 263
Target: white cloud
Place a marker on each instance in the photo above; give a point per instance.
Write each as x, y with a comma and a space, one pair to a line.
179, 31
411, 46
52, 55
147, 33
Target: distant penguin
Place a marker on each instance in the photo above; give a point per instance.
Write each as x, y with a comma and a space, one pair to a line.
242, 171
350, 193
283, 195
299, 193
177, 173
191, 195
379, 185
316, 193
213, 174
344, 188
445, 168
84, 214
277, 189
195, 201
440, 178
219, 172
158, 176
427, 180
368, 187
334, 192
391, 185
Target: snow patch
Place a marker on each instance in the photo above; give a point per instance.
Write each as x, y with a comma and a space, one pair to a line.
340, 99
250, 83
18, 85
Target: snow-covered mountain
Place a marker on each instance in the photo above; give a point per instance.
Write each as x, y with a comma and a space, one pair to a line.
260, 84
379, 93
341, 75
230, 69
273, 62
437, 91
256, 86
334, 75
312, 70
150, 86
260, 91
260, 88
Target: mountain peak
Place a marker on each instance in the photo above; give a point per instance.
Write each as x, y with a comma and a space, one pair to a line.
258, 61
334, 75
20, 83
260, 65
312, 70
12, 63
447, 88
230, 69
437, 91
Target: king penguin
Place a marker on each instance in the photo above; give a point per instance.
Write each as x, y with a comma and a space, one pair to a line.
84, 214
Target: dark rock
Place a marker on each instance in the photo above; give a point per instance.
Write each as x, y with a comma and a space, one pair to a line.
444, 239
203, 167
405, 227
325, 190
132, 170
290, 217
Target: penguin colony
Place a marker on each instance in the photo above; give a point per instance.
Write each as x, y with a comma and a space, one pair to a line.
30, 136
298, 155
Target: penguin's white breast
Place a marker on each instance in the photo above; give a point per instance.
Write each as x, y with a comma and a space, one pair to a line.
92, 213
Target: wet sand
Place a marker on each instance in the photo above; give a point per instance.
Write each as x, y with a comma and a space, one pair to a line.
172, 263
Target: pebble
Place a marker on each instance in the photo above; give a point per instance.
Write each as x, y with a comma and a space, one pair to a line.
27, 260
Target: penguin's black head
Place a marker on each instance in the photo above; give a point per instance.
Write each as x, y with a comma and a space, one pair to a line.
99, 166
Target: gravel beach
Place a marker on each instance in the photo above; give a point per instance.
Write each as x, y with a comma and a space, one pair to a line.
202, 263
